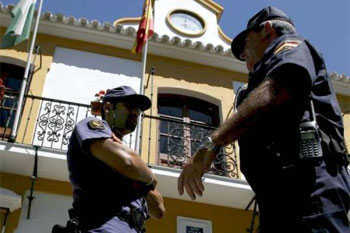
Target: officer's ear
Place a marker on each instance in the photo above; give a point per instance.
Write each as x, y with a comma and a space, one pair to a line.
107, 106
268, 32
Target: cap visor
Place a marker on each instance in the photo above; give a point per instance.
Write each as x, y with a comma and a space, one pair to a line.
238, 43
142, 101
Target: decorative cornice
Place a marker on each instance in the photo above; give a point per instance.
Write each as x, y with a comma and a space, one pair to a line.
341, 83
340, 77
126, 20
124, 36
224, 36
106, 27
105, 33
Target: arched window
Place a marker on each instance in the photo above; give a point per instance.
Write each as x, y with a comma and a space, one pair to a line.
11, 77
184, 122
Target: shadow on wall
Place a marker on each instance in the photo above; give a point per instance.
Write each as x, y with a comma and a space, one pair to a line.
194, 73
93, 61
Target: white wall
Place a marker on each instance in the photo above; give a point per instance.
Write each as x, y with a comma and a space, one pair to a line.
163, 7
46, 211
76, 75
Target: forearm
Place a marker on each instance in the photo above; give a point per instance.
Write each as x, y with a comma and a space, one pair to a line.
122, 159
138, 170
257, 105
155, 204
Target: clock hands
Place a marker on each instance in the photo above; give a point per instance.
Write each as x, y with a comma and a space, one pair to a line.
187, 23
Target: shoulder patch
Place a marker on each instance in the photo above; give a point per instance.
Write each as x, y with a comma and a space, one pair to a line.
287, 45
96, 124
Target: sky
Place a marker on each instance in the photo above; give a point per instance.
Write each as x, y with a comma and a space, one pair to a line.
325, 23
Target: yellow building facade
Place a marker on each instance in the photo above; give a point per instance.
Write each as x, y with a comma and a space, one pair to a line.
191, 78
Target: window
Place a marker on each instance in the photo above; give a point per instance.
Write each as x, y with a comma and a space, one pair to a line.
185, 121
10, 84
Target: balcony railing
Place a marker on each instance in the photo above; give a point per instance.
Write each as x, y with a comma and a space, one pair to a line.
176, 141
8, 107
55, 121
48, 123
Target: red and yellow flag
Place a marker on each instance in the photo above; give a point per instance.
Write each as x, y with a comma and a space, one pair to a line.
146, 27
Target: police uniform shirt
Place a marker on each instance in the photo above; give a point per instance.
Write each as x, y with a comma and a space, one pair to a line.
295, 63
289, 60
97, 188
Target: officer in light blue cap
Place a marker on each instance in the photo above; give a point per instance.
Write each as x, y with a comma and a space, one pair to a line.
290, 131
113, 189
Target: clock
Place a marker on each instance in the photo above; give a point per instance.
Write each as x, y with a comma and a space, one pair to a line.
186, 23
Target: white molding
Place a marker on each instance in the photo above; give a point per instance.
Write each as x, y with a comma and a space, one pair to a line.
10, 200
219, 191
13, 61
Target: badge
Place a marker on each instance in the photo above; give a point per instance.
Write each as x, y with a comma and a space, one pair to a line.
287, 45
96, 124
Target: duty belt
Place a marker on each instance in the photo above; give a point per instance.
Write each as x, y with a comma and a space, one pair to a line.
136, 220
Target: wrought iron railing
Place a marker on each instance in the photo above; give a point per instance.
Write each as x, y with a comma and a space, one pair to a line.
177, 141
55, 121
8, 107
48, 123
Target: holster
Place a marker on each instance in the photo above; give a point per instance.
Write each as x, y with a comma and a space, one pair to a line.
136, 219
72, 225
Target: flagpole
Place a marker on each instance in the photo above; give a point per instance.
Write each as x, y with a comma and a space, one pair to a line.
25, 78
139, 124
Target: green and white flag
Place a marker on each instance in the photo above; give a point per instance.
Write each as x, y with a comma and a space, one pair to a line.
19, 29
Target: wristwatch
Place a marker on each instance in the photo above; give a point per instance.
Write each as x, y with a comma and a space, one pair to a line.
208, 144
151, 185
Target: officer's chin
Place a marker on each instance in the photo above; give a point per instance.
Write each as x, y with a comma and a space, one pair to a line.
131, 127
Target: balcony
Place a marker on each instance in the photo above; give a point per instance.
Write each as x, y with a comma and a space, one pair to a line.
167, 144
50, 123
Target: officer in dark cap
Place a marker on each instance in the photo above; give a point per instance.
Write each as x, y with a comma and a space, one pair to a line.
113, 189
290, 131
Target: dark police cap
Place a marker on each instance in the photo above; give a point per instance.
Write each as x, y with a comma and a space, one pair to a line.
268, 13
127, 94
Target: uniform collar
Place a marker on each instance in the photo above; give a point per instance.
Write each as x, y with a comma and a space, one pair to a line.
270, 49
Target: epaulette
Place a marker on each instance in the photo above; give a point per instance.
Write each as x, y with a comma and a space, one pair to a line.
96, 124
287, 45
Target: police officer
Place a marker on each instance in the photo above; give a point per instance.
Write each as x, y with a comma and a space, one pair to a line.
113, 189
295, 165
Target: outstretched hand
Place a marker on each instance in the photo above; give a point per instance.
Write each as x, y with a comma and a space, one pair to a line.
192, 173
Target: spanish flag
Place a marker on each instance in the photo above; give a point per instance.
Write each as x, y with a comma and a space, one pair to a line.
146, 27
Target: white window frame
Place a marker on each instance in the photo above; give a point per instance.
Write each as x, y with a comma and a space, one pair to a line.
183, 222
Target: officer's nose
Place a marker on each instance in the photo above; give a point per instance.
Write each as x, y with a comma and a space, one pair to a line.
135, 111
243, 55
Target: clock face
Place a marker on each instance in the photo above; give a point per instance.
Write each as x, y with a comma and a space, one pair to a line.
186, 23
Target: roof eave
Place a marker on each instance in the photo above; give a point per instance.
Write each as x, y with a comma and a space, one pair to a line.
122, 37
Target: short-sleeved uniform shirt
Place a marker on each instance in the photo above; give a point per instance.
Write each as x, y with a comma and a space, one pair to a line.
285, 196
98, 190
